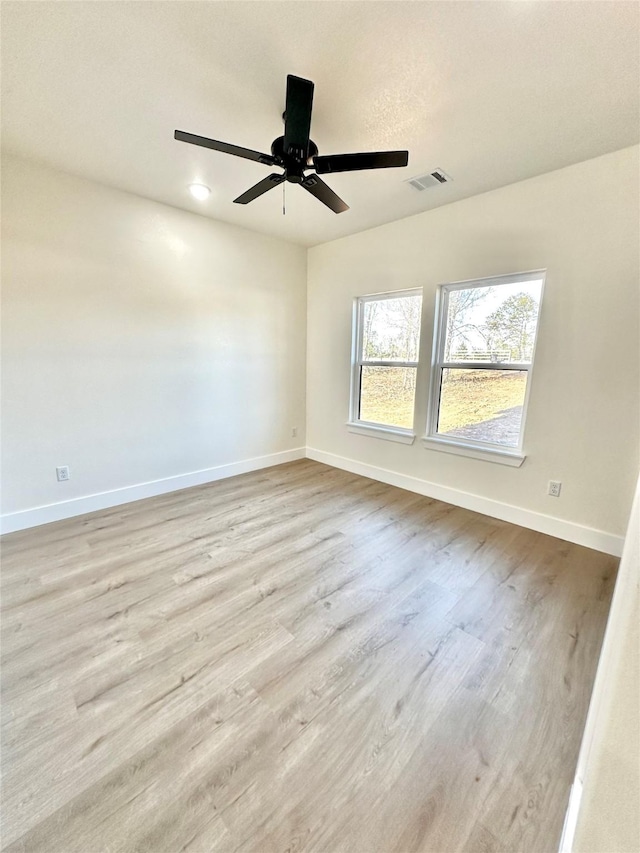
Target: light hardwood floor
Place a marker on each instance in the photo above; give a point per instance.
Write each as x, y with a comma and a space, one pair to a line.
297, 659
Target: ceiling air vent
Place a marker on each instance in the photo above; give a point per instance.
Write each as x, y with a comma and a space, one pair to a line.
431, 179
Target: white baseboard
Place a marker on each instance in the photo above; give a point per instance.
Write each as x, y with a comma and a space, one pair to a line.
600, 540
571, 818
103, 500
572, 532
598, 748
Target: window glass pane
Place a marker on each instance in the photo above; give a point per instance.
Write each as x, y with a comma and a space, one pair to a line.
495, 323
386, 395
391, 329
482, 405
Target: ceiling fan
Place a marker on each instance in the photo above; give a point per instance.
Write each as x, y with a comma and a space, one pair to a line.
296, 153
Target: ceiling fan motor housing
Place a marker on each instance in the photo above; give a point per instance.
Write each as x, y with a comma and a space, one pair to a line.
294, 161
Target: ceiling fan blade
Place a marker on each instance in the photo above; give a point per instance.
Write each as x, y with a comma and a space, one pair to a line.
356, 162
225, 147
261, 187
317, 187
297, 116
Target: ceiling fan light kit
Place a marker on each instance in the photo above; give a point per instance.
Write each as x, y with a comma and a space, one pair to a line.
297, 154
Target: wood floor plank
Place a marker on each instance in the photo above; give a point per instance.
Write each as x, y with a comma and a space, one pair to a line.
294, 659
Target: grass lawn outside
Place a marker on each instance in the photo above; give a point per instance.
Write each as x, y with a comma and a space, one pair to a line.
475, 396
468, 396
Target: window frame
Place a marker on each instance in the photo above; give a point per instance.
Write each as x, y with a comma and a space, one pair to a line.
476, 448
355, 424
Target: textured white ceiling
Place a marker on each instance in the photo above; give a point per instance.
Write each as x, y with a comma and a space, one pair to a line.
492, 92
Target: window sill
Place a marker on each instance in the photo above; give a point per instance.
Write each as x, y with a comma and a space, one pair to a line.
402, 436
502, 457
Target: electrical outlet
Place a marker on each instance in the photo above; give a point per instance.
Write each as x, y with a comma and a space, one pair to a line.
62, 473
554, 488
294, 432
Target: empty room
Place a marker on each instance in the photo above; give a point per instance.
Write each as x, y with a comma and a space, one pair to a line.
320, 426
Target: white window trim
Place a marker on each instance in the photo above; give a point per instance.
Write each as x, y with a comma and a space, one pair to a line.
460, 448
474, 448
354, 424
402, 436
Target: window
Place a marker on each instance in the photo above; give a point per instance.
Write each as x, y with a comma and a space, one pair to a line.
483, 355
385, 360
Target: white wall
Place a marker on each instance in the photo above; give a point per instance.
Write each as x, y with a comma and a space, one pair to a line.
581, 224
607, 815
139, 341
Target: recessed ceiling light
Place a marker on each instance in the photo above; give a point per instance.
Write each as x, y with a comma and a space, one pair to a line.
199, 191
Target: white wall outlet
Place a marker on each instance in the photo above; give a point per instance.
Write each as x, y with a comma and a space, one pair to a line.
62, 473
294, 432
554, 488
